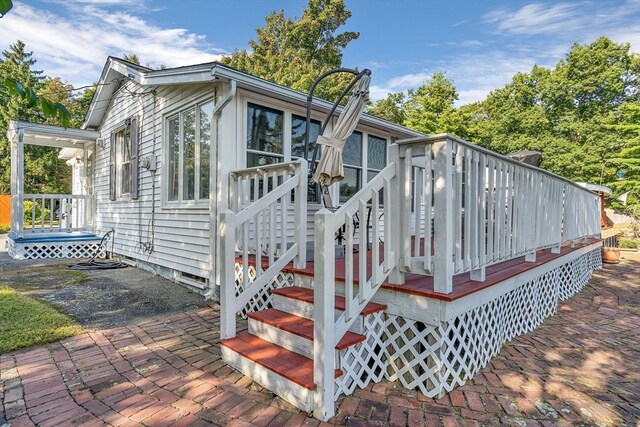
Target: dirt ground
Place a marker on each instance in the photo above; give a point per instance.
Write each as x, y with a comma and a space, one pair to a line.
97, 299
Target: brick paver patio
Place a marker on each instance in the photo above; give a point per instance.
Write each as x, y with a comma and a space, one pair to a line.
581, 367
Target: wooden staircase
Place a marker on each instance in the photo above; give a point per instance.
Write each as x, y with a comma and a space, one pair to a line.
277, 350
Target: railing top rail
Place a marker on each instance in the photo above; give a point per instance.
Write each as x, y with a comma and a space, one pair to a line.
49, 196
267, 168
431, 139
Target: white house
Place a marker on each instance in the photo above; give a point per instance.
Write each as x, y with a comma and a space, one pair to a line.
450, 250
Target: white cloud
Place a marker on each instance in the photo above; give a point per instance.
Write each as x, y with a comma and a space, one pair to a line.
404, 82
537, 18
74, 43
376, 92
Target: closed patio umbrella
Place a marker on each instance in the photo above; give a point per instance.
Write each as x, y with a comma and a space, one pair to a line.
330, 169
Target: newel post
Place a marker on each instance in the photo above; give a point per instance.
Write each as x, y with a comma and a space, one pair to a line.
443, 216
300, 195
227, 275
323, 313
397, 228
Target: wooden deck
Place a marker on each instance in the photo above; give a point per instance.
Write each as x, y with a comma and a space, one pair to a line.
462, 284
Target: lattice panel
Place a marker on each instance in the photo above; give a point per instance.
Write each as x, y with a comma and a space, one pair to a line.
436, 359
364, 362
24, 251
262, 300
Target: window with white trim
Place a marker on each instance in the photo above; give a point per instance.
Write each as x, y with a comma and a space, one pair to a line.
123, 147
265, 138
188, 153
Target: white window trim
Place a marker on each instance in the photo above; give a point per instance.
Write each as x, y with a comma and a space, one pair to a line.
177, 111
122, 129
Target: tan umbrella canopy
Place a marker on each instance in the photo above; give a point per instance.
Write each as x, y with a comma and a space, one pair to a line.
330, 169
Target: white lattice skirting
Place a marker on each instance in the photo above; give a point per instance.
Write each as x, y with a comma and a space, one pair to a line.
39, 250
263, 299
437, 359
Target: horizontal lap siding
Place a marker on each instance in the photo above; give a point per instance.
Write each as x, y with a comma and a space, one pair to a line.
181, 238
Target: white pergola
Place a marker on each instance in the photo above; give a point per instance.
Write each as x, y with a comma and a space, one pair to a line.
21, 133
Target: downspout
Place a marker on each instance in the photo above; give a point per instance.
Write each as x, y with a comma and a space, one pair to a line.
213, 192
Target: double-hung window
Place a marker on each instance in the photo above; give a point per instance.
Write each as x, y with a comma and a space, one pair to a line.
188, 153
123, 146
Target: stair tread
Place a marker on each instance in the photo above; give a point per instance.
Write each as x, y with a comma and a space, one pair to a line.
306, 295
290, 365
299, 326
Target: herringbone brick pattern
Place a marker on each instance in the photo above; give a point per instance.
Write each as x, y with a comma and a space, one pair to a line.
581, 367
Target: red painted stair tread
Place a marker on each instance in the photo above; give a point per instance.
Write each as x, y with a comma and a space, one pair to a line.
290, 365
299, 326
306, 295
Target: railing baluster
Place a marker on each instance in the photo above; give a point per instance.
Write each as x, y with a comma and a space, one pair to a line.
362, 250
408, 170
348, 267
417, 211
375, 242
458, 203
428, 208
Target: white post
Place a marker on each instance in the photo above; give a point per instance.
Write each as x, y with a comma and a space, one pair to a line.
323, 312
17, 183
300, 194
228, 275
394, 216
443, 217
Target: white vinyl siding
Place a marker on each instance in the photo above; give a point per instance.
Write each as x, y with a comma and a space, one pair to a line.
181, 238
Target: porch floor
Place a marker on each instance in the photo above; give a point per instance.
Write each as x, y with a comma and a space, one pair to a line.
420, 285
47, 237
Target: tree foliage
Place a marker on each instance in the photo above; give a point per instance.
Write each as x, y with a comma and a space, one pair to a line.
44, 172
294, 52
583, 115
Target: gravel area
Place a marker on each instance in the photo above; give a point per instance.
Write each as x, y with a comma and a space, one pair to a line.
97, 299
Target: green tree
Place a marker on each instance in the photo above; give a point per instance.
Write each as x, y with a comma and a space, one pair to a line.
294, 52
42, 166
391, 108
426, 105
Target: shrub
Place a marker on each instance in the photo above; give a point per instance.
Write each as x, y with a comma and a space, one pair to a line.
628, 243
28, 214
4, 229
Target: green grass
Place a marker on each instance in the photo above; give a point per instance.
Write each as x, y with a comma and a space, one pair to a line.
26, 321
4, 229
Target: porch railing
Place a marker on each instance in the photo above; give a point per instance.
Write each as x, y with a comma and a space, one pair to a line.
45, 213
465, 208
259, 232
372, 269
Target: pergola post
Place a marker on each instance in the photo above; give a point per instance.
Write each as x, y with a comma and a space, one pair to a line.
17, 182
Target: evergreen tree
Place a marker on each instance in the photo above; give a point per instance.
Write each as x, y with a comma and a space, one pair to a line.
294, 53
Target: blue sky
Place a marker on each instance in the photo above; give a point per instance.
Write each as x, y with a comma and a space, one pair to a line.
479, 44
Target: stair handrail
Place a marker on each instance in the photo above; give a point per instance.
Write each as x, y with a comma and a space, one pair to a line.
328, 330
258, 197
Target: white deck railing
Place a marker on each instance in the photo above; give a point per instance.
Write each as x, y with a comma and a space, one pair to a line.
478, 208
255, 230
372, 270
45, 213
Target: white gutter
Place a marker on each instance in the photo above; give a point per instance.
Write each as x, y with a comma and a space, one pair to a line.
247, 81
214, 183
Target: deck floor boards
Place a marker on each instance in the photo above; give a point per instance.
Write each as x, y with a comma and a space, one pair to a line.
416, 284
